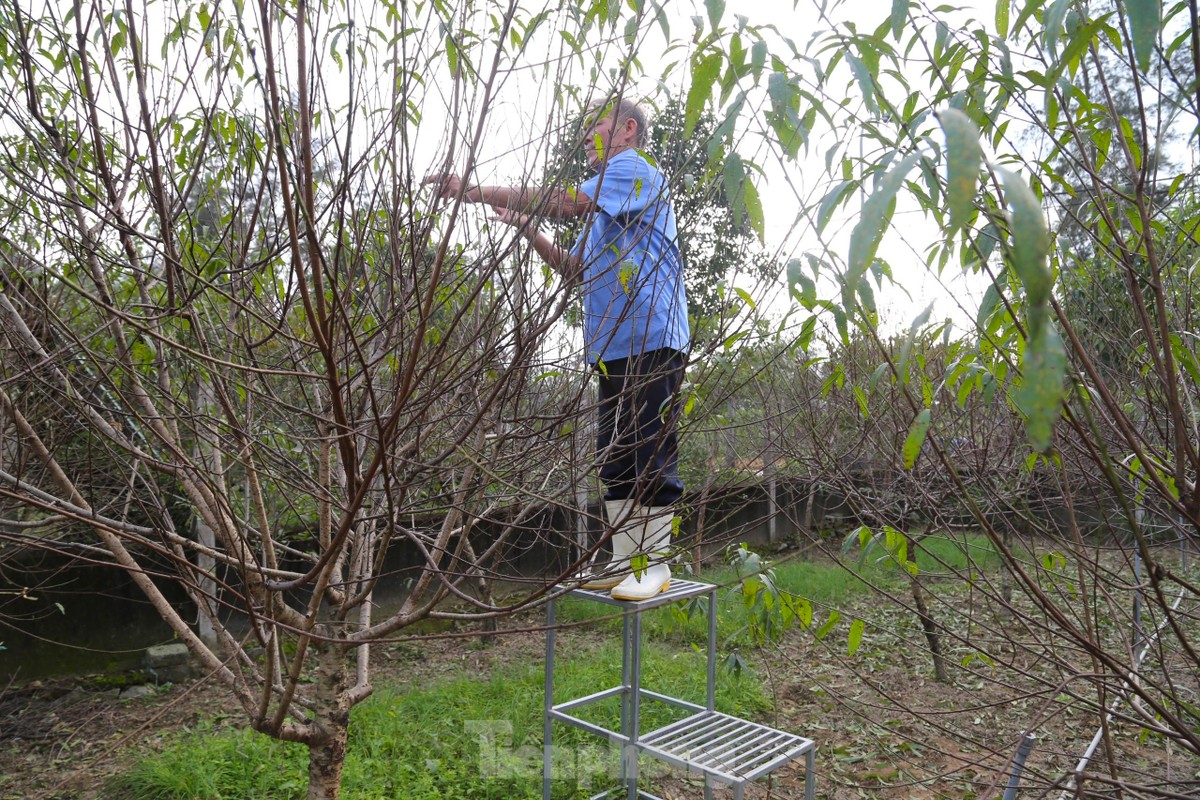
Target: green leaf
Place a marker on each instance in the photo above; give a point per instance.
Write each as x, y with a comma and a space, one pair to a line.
991, 299
716, 9
831, 201
916, 438
746, 298
866, 296
1030, 238
827, 625
899, 17
704, 75
986, 241
1186, 358
807, 330
1027, 11
866, 81
1127, 133
785, 105
1040, 394
807, 295
878, 373
754, 209
913, 330
632, 28
800, 608
452, 54
864, 240
741, 194
758, 58
1002, 18
1081, 40
1053, 23
861, 398
1145, 19
963, 157
1102, 139
840, 322
856, 633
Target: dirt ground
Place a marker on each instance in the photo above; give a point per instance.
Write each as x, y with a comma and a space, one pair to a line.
883, 727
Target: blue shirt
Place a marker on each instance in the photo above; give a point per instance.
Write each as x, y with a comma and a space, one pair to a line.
633, 295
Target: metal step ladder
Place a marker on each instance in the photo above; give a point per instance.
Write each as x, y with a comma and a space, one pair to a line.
724, 750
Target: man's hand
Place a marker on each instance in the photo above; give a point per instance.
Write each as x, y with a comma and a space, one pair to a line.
447, 184
561, 260
546, 201
510, 217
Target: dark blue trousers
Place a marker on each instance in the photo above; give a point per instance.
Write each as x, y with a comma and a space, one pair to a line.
637, 446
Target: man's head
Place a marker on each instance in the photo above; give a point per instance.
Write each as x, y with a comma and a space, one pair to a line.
611, 127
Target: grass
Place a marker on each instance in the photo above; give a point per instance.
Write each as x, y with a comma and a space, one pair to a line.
461, 737
968, 553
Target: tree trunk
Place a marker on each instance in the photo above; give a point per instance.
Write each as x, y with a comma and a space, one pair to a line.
698, 543
208, 588
325, 762
931, 632
1006, 581
808, 509
327, 748
772, 509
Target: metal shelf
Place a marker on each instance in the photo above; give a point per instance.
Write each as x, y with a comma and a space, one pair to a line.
721, 748
676, 591
728, 749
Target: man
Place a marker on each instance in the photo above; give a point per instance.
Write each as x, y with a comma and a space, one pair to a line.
628, 263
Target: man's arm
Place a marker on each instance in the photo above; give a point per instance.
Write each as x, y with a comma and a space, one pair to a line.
560, 259
546, 201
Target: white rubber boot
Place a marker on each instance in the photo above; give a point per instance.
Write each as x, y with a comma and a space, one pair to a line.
655, 543
620, 515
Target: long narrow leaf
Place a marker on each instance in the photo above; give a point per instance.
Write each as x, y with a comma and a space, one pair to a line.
864, 240
916, 438
1145, 19
963, 157
1030, 238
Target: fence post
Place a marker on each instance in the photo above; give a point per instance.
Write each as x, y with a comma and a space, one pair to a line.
1018, 765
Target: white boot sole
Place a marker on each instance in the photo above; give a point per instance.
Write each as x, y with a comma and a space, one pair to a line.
603, 583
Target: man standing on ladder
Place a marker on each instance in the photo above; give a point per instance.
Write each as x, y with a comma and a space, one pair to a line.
635, 329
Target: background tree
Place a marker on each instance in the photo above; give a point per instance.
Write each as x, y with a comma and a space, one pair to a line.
1037, 356
244, 353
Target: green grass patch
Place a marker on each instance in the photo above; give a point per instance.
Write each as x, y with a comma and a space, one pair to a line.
943, 555
462, 737
966, 553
